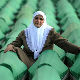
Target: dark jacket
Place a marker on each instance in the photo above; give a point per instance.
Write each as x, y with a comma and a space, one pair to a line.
52, 38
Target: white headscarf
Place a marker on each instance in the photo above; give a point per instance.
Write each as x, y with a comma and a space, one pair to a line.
36, 37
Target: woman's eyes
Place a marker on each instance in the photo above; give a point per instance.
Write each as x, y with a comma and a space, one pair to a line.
41, 18
38, 18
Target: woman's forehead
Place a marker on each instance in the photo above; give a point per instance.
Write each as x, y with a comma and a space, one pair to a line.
39, 15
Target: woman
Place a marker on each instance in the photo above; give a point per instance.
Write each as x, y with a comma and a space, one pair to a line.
39, 36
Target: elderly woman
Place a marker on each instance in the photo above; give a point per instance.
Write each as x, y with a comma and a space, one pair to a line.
39, 36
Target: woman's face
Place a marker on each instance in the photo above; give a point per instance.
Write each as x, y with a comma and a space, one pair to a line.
38, 21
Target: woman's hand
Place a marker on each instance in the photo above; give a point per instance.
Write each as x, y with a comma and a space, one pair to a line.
9, 48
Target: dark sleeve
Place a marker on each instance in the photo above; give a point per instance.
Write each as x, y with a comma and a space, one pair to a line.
18, 42
65, 44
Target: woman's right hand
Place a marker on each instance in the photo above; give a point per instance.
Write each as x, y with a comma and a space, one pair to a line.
9, 48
